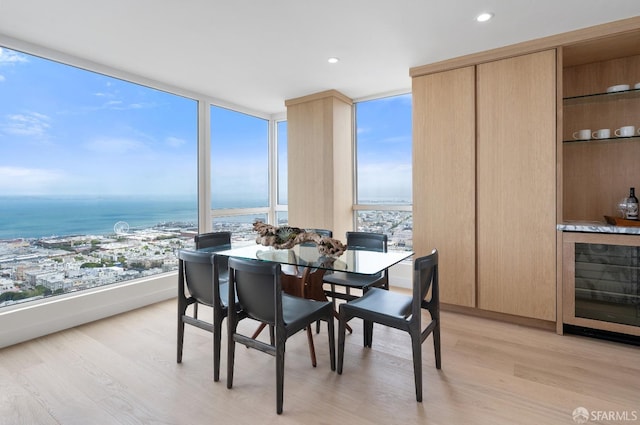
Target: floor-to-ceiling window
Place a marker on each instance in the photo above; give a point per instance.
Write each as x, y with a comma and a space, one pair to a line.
282, 195
98, 178
239, 172
383, 168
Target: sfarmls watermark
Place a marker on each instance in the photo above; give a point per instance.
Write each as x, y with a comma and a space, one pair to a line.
581, 415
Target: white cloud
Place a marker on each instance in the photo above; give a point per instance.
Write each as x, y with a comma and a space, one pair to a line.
119, 105
115, 146
174, 142
17, 180
113, 104
9, 57
2, 78
26, 124
397, 139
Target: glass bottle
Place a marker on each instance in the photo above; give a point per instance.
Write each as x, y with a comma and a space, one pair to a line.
632, 205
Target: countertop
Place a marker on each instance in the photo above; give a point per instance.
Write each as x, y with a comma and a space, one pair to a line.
596, 227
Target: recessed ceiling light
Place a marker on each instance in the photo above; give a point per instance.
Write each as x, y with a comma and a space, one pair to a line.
484, 17
333, 60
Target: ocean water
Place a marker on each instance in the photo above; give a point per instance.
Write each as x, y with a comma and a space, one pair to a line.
35, 217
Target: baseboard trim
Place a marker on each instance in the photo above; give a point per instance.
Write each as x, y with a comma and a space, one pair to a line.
502, 317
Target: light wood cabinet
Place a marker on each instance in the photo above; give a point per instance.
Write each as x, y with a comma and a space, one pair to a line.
525, 179
516, 183
444, 178
484, 182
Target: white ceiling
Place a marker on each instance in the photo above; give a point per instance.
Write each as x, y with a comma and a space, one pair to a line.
258, 53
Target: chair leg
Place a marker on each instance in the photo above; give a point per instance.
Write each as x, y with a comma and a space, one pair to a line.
368, 332
436, 345
217, 337
416, 347
195, 310
231, 349
180, 338
346, 325
279, 375
341, 335
182, 309
312, 349
332, 342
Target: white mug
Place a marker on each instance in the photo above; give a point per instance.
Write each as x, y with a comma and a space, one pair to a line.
626, 131
603, 133
584, 134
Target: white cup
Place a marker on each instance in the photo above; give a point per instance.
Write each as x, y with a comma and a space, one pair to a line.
603, 133
619, 87
584, 134
626, 131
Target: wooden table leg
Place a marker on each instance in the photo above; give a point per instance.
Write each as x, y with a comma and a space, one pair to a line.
314, 289
312, 348
308, 285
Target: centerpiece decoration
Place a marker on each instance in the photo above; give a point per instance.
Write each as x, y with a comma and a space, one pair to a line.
285, 237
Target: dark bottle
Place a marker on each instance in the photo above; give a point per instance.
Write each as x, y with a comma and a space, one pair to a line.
632, 205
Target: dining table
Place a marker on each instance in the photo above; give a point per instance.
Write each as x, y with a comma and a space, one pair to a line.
303, 268
307, 265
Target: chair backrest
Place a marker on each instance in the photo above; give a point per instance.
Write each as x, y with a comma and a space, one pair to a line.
258, 288
213, 239
199, 273
220, 240
367, 241
321, 232
425, 278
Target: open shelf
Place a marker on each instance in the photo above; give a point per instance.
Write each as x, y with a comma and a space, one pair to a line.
609, 140
602, 97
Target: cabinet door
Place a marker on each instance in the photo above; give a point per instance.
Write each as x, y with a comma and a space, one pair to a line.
444, 178
516, 172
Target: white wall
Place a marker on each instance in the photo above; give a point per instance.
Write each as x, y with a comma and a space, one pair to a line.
34, 319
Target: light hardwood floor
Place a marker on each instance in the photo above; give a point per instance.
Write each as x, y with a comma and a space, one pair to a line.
122, 370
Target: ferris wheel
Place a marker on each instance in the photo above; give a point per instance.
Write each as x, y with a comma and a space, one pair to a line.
121, 228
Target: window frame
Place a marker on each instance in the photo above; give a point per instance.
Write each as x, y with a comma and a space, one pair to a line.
362, 206
24, 321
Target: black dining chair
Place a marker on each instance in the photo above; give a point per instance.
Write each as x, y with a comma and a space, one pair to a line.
358, 241
218, 240
198, 282
212, 239
402, 312
258, 289
322, 232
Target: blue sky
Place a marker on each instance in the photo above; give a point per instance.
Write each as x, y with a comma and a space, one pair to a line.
239, 165
384, 149
65, 131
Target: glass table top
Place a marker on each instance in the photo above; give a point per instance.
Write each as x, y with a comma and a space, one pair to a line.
352, 261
